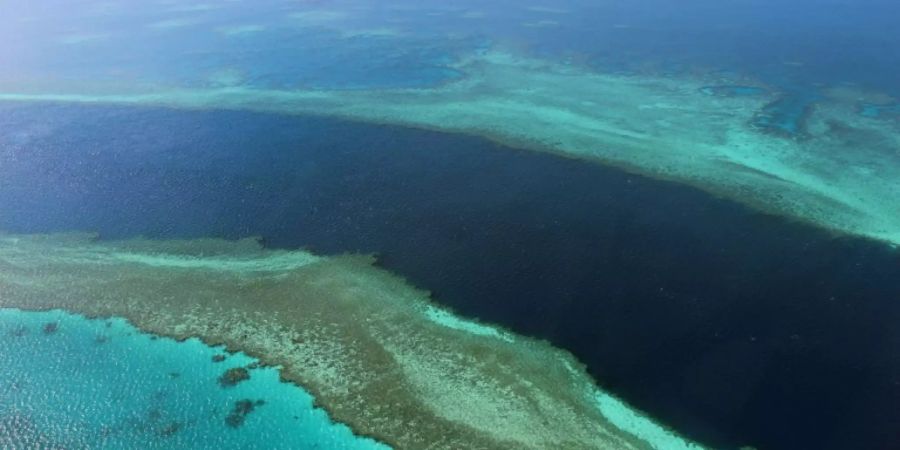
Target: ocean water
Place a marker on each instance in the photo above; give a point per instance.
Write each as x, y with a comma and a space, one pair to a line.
726, 263
72, 382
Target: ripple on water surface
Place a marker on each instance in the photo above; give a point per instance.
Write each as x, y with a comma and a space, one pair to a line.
71, 382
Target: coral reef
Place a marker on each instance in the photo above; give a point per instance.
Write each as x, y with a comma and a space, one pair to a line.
368, 346
170, 429
233, 376
240, 411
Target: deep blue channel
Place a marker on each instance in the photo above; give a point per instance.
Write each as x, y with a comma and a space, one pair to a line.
734, 327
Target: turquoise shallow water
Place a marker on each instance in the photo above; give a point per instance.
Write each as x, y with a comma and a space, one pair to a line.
71, 382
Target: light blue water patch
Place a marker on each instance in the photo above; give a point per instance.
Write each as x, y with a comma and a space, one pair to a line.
733, 91
71, 382
880, 111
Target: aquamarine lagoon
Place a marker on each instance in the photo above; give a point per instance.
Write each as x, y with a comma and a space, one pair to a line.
73, 382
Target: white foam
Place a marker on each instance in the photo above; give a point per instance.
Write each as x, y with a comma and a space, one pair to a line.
632, 422
449, 320
278, 262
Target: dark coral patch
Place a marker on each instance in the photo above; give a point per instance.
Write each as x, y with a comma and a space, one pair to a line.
170, 429
240, 411
233, 376
218, 358
51, 327
154, 414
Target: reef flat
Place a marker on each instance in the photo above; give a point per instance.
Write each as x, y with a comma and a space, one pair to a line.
839, 174
373, 350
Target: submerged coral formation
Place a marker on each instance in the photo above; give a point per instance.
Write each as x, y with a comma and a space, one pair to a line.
241, 409
782, 156
373, 350
233, 376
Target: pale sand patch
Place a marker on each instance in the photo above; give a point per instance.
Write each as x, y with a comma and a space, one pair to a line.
547, 10
196, 7
541, 24
226, 77
173, 23
82, 38
371, 32
473, 15
317, 17
240, 30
